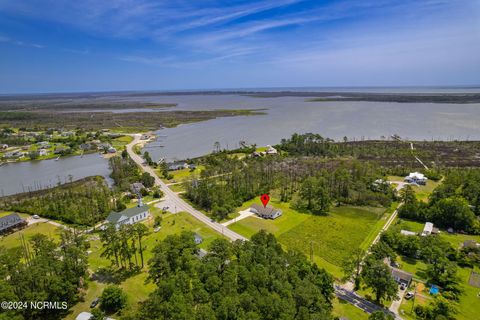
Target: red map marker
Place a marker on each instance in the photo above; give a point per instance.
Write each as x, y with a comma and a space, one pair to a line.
265, 198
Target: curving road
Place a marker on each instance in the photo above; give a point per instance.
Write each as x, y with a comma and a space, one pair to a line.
176, 200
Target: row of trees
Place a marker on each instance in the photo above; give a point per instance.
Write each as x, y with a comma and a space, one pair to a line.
242, 280
312, 184
445, 209
124, 245
43, 270
83, 202
124, 171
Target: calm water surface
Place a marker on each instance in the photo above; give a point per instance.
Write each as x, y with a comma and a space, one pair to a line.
287, 115
22, 176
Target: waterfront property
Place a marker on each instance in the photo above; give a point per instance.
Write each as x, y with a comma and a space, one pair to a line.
266, 212
178, 166
129, 216
11, 223
136, 187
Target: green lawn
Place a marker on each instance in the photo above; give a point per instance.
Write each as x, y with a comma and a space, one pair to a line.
13, 240
410, 225
414, 266
346, 310
457, 239
423, 192
135, 286
183, 174
332, 237
468, 306
119, 142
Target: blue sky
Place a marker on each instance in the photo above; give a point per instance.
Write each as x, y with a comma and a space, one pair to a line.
64, 46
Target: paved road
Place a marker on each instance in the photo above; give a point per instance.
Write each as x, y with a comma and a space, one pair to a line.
359, 302
176, 200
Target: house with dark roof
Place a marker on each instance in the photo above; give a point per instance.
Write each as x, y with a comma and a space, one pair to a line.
266, 212
10, 223
401, 277
136, 187
197, 238
129, 216
177, 166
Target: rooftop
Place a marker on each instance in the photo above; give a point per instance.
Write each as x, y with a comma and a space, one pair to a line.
114, 217
10, 221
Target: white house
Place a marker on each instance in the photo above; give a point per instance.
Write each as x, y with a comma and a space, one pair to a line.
416, 177
427, 229
129, 216
408, 233
271, 150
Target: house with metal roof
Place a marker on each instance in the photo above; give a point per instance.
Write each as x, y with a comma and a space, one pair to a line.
129, 216
10, 223
266, 212
401, 277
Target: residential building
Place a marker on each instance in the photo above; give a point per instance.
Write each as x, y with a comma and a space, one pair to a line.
129, 216
401, 277
427, 229
417, 178
266, 212
408, 233
177, 166
271, 150
10, 223
197, 238
470, 244
136, 187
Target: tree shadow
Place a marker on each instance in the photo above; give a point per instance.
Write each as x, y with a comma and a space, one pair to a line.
114, 275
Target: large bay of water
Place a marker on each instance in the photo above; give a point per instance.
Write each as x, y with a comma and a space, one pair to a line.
287, 115
33, 175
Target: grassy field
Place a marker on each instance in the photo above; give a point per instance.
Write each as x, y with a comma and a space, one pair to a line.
135, 286
13, 240
332, 238
410, 225
423, 192
120, 142
467, 306
182, 175
346, 310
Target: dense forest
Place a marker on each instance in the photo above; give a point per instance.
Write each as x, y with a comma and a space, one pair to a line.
83, 202
395, 154
124, 171
228, 181
43, 270
256, 279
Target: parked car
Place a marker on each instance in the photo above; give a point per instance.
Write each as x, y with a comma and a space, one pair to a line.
36, 216
409, 295
156, 229
403, 286
95, 302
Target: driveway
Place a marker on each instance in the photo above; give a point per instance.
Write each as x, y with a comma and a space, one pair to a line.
243, 214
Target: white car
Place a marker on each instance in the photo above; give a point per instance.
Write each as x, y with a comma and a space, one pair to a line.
156, 229
36, 216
